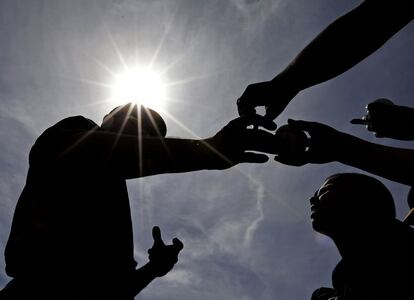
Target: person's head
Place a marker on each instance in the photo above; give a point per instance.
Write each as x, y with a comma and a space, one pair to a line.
349, 202
134, 119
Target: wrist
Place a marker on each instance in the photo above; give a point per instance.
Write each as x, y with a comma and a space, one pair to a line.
150, 270
204, 153
286, 81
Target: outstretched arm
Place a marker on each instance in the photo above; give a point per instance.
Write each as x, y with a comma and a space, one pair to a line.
134, 157
339, 47
328, 145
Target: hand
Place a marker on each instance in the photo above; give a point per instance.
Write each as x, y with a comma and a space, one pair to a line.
323, 145
163, 257
231, 144
274, 95
385, 119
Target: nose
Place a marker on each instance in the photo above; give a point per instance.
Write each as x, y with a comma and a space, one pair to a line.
313, 200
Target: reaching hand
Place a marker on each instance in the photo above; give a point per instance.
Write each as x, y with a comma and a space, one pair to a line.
323, 144
274, 95
388, 120
232, 143
163, 257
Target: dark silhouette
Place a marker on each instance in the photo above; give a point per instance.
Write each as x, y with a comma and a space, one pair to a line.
71, 236
162, 259
339, 47
409, 218
325, 144
357, 212
386, 119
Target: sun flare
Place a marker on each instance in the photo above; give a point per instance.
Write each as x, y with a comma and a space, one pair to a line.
140, 85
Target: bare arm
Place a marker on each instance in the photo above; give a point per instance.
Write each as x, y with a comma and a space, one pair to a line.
339, 47
348, 40
327, 145
133, 157
396, 164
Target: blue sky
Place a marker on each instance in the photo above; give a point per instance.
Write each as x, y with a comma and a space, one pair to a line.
246, 230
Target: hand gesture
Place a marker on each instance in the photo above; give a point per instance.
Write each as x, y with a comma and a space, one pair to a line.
385, 119
163, 257
274, 95
232, 143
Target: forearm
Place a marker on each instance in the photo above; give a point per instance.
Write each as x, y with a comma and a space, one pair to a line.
395, 164
180, 155
134, 157
345, 43
142, 278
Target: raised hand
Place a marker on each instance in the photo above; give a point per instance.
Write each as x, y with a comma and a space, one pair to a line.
274, 95
163, 257
386, 119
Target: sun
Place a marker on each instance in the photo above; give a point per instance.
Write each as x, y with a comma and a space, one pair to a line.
141, 85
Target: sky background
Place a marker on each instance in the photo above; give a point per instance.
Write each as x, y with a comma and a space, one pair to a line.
246, 230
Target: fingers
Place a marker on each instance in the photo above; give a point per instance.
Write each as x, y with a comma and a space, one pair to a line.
266, 123
296, 162
252, 119
359, 121
243, 108
258, 120
250, 157
379, 103
259, 141
156, 235
377, 113
178, 244
256, 94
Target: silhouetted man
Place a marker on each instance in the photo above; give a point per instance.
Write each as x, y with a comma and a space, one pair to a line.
339, 47
357, 212
71, 236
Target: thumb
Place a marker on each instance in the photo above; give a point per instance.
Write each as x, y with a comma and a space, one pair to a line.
156, 235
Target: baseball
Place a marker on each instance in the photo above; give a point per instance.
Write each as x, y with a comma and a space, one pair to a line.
291, 141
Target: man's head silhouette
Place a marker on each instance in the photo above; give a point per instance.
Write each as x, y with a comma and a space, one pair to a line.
134, 119
348, 202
